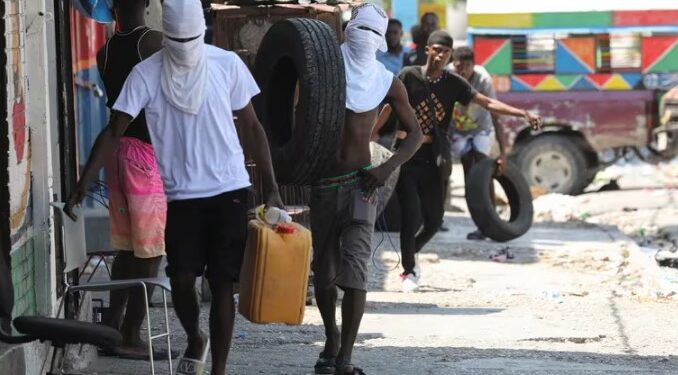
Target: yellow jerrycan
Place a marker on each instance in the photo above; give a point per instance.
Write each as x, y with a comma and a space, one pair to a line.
274, 274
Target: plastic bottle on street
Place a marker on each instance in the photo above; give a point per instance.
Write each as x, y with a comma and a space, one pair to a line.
552, 295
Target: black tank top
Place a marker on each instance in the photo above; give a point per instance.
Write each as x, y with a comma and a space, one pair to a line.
122, 54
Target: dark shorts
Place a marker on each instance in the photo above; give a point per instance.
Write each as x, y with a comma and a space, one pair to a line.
207, 234
342, 225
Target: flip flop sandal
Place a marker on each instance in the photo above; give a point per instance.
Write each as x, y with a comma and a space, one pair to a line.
325, 366
352, 370
190, 366
158, 355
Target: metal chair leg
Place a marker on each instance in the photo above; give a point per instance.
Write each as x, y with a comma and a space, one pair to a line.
108, 269
91, 275
148, 325
55, 352
167, 330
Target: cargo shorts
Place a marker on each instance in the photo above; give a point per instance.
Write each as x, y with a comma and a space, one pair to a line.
342, 224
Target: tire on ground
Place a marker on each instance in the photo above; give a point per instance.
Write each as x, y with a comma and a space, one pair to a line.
562, 150
300, 70
482, 208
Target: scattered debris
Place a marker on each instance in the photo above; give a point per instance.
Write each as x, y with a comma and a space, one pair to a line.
552, 295
610, 186
502, 255
575, 340
667, 258
555, 207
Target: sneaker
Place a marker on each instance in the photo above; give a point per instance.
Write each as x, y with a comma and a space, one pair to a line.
409, 283
417, 267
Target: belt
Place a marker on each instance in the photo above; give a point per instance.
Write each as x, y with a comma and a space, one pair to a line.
402, 135
343, 180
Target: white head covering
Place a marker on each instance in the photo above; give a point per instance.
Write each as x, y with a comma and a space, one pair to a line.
184, 68
367, 80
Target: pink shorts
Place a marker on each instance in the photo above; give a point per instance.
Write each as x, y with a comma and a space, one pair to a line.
137, 203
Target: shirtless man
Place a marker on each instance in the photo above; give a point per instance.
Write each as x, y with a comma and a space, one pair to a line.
343, 208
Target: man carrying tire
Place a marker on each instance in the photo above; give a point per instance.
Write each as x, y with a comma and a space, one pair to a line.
190, 93
343, 208
433, 92
472, 125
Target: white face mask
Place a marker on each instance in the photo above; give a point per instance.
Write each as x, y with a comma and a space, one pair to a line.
184, 54
184, 74
367, 81
362, 44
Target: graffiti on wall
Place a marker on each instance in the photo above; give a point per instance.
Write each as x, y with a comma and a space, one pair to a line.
19, 134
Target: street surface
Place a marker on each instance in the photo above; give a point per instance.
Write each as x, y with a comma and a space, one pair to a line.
579, 297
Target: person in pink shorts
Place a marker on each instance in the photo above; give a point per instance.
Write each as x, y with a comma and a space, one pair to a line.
137, 203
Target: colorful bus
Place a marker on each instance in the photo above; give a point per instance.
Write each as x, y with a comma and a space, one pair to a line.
594, 70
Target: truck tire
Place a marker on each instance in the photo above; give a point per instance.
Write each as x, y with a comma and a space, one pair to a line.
300, 70
481, 203
554, 162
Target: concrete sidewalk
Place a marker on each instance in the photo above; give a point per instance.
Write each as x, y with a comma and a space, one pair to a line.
573, 301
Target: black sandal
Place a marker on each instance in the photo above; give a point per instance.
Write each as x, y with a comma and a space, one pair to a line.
325, 365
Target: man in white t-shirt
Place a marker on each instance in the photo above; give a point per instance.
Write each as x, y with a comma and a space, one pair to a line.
190, 93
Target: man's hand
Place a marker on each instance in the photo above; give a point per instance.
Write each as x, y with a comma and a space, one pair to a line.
501, 165
76, 197
274, 200
533, 120
373, 179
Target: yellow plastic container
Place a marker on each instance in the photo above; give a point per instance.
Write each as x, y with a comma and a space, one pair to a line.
274, 275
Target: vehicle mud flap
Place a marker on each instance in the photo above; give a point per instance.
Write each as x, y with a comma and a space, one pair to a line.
300, 70
481, 204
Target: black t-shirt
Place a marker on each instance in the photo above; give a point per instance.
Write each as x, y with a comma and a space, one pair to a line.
121, 55
449, 89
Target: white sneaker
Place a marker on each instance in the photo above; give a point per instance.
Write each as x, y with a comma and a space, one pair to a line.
417, 267
409, 283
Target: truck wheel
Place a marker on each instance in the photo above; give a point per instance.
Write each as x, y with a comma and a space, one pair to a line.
555, 163
300, 70
481, 204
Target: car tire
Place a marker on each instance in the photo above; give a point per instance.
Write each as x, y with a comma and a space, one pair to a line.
554, 162
300, 70
481, 204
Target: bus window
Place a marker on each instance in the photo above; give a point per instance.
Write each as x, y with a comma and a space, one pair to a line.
625, 51
603, 54
534, 53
